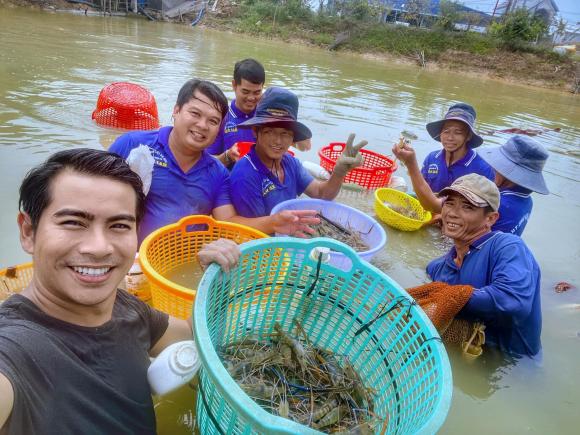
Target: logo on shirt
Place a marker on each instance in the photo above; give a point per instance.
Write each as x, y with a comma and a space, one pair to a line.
267, 186
230, 127
433, 169
160, 159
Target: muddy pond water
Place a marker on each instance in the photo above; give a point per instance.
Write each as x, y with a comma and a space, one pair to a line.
52, 67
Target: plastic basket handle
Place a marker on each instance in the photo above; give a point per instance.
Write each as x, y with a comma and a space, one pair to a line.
196, 219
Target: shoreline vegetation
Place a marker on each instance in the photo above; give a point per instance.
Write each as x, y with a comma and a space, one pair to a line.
486, 55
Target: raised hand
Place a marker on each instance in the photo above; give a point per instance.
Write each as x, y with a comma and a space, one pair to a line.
350, 158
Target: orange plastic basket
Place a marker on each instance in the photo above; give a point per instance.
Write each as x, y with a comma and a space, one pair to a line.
375, 172
174, 245
14, 279
128, 106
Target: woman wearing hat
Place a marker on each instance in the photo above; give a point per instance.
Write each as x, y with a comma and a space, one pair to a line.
268, 175
441, 168
518, 168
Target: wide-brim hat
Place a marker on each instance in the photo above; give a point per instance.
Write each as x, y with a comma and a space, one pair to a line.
459, 112
521, 160
279, 106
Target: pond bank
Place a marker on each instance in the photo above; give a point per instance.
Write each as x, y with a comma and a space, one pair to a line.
537, 69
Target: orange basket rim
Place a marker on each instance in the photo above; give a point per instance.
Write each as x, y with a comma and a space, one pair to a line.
379, 200
391, 168
20, 266
155, 277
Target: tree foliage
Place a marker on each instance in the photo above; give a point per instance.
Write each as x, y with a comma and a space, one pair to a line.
519, 26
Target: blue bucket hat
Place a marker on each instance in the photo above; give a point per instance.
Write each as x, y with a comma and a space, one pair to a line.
520, 160
460, 112
279, 106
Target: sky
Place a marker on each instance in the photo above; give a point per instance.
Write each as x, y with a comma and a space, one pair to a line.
569, 9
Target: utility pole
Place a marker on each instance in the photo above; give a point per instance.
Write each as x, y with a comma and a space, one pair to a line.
494, 9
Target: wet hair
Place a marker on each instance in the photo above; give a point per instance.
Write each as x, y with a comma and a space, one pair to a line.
250, 70
205, 87
35, 193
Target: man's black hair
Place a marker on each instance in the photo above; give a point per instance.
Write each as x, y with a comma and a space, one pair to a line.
207, 88
250, 70
35, 195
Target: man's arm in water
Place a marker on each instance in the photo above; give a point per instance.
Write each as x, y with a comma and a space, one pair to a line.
6, 400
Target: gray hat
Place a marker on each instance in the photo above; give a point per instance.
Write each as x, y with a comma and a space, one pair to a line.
459, 112
477, 189
520, 160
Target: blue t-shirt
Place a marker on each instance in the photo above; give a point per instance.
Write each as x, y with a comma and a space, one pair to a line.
439, 176
515, 207
506, 296
255, 190
230, 133
175, 194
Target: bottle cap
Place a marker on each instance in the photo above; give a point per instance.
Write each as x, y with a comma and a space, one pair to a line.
184, 358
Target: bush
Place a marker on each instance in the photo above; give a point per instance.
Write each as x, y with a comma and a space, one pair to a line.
518, 28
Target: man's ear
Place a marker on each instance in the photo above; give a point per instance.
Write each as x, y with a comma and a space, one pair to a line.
26, 232
234, 84
491, 218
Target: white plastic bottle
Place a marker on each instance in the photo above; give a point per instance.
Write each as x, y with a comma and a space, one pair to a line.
174, 367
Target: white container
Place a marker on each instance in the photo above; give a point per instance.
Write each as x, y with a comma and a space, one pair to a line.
174, 367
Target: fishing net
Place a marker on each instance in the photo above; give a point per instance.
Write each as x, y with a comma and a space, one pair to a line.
441, 302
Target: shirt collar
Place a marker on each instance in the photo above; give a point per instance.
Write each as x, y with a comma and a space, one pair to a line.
237, 113
478, 244
259, 166
516, 189
465, 160
163, 139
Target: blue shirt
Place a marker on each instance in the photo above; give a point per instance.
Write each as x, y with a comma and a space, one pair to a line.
506, 296
175, 194
230, 133
439, 176
515, 207
255, 190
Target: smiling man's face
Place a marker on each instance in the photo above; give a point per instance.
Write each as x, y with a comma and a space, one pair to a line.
85, 240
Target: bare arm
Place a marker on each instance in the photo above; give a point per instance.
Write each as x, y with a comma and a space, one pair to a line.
293, 222
6, 400
424, 193
178, 330
325, 189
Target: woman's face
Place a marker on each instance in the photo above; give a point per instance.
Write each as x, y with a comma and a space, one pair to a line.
454, 135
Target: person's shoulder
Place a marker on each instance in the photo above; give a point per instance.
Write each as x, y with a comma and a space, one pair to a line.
244, 168
433, 155
126, 142
501, 240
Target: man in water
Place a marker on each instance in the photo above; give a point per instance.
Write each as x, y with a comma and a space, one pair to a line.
74, 349
248, 83
499, 266
267, 175
186, 180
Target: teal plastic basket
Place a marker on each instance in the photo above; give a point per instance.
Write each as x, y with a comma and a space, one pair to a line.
397, 351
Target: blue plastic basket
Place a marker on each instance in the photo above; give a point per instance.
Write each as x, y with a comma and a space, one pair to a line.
372, 232
399, 354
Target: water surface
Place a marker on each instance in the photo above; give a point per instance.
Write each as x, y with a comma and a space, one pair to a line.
52, 67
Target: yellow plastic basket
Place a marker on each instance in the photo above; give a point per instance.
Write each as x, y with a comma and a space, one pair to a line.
397, 220
14, 279
174, 245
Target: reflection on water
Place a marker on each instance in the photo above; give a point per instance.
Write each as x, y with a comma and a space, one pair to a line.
52, 67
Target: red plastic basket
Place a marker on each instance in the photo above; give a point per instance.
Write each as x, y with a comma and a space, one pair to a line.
128, 106
375, 172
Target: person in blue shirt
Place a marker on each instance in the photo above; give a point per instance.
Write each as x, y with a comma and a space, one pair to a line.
267, 175
518, 166
500, 267
456, 132
186, 180
247, 84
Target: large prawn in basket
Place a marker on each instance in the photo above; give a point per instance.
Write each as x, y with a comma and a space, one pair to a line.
360, 316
